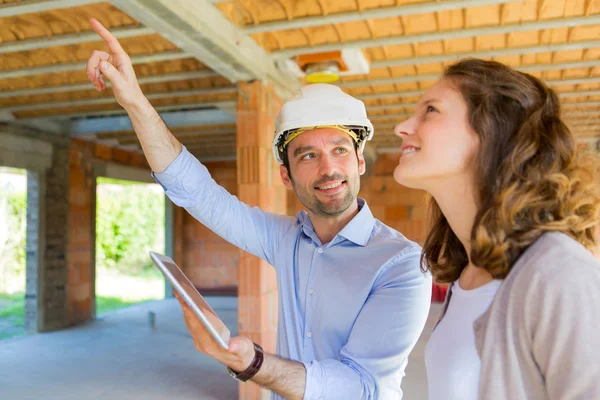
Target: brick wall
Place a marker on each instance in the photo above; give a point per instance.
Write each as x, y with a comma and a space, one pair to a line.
396, 206
81, 222
81, 245
209, 261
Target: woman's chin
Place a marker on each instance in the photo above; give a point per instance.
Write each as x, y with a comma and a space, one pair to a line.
404, 178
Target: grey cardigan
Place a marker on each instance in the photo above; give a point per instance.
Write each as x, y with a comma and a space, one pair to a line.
540, 338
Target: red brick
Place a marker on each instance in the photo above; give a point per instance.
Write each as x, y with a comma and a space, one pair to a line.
121, 156
103, 152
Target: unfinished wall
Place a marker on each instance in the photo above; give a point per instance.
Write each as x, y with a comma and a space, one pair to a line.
86, 161
45, 157
396, 206
209, 261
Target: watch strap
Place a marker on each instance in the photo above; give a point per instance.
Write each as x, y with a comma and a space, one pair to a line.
254, 367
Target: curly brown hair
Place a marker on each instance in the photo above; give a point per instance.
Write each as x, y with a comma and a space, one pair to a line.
529, 179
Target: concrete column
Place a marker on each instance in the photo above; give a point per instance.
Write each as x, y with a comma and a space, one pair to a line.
259, 185
35, 244
46, 305
46, 159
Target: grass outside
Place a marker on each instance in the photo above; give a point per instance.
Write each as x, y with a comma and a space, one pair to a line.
12, 315
114, 290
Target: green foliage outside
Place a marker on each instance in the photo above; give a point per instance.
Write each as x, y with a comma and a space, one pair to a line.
129, 223
13, 221
130, 220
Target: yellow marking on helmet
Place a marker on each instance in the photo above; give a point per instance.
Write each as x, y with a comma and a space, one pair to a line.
300, 131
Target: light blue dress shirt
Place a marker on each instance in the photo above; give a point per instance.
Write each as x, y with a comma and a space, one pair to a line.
350, 310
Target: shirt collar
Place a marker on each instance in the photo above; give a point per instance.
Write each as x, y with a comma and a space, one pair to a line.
358, 230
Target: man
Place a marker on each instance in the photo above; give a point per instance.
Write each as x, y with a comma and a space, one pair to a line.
352, 298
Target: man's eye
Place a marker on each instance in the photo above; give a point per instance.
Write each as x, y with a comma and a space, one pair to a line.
308, 156
341, 150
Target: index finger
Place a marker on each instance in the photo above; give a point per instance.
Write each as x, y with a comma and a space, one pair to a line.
113, 44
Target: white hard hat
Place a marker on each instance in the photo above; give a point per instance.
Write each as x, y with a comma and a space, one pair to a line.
321, 105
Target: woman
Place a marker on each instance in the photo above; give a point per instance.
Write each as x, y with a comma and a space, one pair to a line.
513, 212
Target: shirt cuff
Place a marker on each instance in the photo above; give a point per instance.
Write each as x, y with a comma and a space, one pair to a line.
182, 179
315, 381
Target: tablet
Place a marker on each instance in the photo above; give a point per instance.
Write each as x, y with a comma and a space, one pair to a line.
194, 300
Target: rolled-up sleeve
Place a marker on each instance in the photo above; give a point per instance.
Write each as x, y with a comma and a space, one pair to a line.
372, 362
181, 177
188, 184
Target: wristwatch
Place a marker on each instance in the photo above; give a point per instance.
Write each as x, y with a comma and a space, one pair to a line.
254, 367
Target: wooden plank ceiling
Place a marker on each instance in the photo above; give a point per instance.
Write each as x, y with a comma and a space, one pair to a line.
44, 45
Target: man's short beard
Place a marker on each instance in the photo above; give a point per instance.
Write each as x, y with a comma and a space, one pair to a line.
319, 208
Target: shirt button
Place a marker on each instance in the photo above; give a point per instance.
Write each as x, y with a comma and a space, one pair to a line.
309, 334
476, 325
320, 250
311, 292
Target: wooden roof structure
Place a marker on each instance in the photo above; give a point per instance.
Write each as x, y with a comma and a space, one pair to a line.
188, 56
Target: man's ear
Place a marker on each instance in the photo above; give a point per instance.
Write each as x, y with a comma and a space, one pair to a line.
362, 166
285, 177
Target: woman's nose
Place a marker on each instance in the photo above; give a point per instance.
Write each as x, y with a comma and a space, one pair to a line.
405, 128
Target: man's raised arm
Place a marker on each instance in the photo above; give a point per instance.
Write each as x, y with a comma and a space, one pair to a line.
160, 146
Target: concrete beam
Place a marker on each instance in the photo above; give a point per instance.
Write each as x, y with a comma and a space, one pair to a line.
204, 159
172, 119
6, 116
80, 66
414, 93
222, 105
181, 136
396, 149
180, 76
412, 105
124, 172
205, 33
443, 35
376, 13
511, 51
23, 152
527, 68
111, 100
38, 6
68, 40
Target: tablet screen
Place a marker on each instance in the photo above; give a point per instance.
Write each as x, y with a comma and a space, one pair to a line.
214, 320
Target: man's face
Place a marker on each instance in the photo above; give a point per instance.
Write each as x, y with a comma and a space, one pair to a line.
325, 171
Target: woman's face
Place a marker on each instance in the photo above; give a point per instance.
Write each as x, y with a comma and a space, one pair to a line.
437, 141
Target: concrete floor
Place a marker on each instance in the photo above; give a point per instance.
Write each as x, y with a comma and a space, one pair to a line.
120, 357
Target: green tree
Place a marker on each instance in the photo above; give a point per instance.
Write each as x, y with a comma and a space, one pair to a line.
129, 223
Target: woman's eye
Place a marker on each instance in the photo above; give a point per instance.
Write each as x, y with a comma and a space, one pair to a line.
431, 109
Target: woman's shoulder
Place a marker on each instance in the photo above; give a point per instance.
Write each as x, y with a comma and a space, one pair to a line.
556, 257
